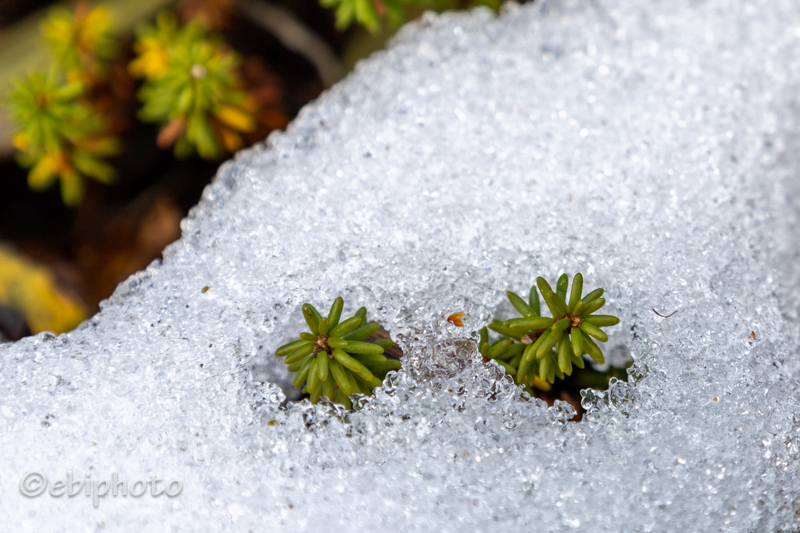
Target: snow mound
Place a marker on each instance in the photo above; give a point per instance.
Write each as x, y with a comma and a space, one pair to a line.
649, 144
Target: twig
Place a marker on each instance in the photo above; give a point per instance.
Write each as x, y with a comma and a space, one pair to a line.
296, 37
665, 316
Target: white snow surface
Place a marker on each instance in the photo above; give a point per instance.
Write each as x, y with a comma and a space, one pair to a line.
649, 144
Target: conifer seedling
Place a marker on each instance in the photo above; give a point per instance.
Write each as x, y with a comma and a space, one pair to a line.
336, 358
536, 349
192, 88
60, 137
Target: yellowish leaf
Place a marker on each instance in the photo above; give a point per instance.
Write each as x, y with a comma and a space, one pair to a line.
31, 289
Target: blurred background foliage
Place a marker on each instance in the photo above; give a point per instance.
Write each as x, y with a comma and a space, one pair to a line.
114, 115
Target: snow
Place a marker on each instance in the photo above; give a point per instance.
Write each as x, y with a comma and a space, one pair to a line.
648, 144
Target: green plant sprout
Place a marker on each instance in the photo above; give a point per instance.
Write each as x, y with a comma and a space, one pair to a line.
337, 358
372, 14
81, 41
192, 89
59, 135
536, 349
368, 13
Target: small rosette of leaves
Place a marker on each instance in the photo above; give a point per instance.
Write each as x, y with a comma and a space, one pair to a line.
59, 135
192, 89
81, 41
534, 346
368, 13
336, 358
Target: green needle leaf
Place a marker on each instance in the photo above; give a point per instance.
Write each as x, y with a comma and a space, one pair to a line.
484, 349
327, 388
369, 359
520, 305
602, 320
594, 331
363, 332
323, 326
541, 340
346, 327
358, 387
347, 361
513, 351
561, 325
547, 345
561, 286
544, 370
312, 318
498, 348
556, 304
299, 352
313, 378
594, 306
322, 366
525, 363
532, 372
592, 296
530, 323
385, 343
316, 393
530, 352
390, 364
363, 347
533, 298
564, 356
366, 375
593, 350
577, 341
336, 312
368, 384
342, 380
502, 329
556, 372
336, 342
362, 314
510, 370
543, 285
341, 398
577, 289
297, 365
303, 373
290, 347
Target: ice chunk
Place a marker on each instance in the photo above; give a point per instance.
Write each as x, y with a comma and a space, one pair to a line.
649, 145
